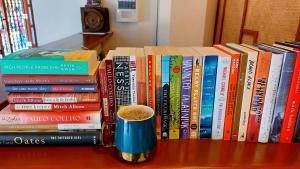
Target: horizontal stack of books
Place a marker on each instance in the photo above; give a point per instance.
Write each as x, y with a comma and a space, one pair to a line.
53, 98
235, 92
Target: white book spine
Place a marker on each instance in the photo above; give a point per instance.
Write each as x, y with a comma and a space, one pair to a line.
79, 126
272, 87
220, 97
247, 95
133, 82
33, 106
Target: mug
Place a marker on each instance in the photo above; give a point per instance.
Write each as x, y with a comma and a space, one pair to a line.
135, 136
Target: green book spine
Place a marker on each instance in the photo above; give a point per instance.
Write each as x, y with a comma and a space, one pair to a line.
44, 67
175, 93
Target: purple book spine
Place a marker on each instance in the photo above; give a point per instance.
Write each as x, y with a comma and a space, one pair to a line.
186, 86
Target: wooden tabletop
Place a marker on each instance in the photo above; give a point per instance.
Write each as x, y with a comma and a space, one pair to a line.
170, 154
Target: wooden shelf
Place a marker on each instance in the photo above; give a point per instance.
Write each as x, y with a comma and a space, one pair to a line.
170, 154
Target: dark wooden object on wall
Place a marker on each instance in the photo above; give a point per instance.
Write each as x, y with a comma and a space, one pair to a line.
298, 33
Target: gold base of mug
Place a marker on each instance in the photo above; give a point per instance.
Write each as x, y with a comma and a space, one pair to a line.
135, 158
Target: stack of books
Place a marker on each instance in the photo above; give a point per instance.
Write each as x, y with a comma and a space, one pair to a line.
235, 92
53, 98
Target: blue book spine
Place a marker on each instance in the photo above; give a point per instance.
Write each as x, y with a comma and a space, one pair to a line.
287, 69
186, 86
208, 95
51, 88
165, 95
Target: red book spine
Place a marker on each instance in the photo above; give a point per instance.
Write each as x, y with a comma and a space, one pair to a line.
104, 92
258, 96
48, 79
55, 107
111, 90
232, 87
291, 111
8, 117
151, 83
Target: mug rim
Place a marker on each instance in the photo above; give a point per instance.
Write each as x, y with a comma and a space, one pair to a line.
146, 107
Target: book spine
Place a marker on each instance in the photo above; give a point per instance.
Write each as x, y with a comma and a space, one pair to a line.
44, 67
104, 92
208, 95
133, 80
186, 86
231, 97
122, 80
258, 97
150, 81
270, 96
175, 93
141, 80
296, 135
221, 91
247, 94
111, 90
55, 107
281, 97
165, 96
50, 138
57, 98
158, 91
30, 127
51, 88
195, 96
49, 117
292, 106
31, 80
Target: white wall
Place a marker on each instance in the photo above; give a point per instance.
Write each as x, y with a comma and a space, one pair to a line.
56, 19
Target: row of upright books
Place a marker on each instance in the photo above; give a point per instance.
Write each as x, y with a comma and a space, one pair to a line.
226, 92
53, 98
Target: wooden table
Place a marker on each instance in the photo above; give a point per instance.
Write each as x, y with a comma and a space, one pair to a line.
170, 154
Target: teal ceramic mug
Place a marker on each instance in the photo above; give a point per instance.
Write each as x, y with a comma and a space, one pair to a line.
135, 136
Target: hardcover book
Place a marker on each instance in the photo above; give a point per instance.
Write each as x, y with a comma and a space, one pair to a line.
150, 76
175, 93
289, 58
53, 97
165, 96
48, 127
104, 90
141, 76
248, 89
44, 61
232, 89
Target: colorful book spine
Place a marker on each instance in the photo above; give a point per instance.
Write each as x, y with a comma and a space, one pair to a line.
186, 87
270, 96
83, 138
111, 90
231, 97
51, 88
208, 95
8, 117
158, 91
165, 96
292, 105
122, 80
103, 91
44, 67
282, 94
175, 93
195, 96
150, 78
53, 97
53, 127
133, 81
258, 97
56, 107
239, 96
48, 79
141, 77
247, 94
221, 91
296, 136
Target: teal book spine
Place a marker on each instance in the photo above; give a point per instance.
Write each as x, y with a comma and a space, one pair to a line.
44, 67
208, 96
165, 96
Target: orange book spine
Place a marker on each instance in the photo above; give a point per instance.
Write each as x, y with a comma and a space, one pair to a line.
158, 91
141, 80
9, 117
151, 81
293, 102
258, 96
